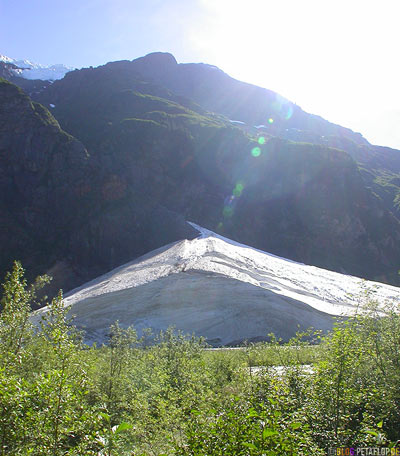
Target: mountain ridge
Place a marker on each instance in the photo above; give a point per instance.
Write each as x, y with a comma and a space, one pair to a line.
152, 151
30, 70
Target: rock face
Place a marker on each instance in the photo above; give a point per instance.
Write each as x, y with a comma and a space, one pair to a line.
218, 289
272, 114
154, 159
147, 158
41, 170
216, 91
303, 201
59, 213
311, 204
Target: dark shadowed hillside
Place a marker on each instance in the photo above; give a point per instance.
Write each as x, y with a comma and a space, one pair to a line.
156, 157
215, 91
59, 212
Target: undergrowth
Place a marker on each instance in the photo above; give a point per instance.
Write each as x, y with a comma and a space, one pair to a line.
174, 396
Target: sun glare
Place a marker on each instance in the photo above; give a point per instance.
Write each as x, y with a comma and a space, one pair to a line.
328, 57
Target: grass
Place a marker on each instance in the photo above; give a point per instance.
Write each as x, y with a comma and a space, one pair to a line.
264, 354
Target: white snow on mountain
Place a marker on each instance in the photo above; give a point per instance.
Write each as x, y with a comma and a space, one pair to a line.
220, 289
31, 70
4, 58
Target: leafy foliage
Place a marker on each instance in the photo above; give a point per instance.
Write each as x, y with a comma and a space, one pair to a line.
165, 394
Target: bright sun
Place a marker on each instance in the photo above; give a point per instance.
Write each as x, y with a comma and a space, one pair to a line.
330, 57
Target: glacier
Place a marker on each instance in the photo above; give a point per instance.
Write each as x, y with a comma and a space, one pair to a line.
31, 70
222, 290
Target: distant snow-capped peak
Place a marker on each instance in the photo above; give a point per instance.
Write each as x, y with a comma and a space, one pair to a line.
31, 70
6, 59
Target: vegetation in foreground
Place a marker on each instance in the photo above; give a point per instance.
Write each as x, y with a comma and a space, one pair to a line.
130, 397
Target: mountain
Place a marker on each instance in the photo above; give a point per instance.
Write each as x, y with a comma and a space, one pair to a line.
11, 73
259, 110
31, 77
217, 92
156, 156
40, 166
30, 70
219, 289
308, 202
59, 213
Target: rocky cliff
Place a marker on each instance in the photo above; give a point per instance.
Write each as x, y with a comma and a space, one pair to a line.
152, 158
305, 201
59, 213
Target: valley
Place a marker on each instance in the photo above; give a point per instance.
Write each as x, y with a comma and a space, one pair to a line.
228, 265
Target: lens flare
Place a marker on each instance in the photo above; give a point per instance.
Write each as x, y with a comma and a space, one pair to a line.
261, 140
229, 206
289, 112
281, 109
256, 152
237, 191
227, 211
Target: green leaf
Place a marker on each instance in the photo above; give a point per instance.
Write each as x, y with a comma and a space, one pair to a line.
295, 425
123, 427
380, 424
105, 416
268, 432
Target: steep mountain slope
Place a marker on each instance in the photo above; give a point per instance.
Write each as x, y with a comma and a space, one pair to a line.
156, 158
310, 204
215, 91
216, 288
41, 168
11, 73
59, 214
379, 166
303, 201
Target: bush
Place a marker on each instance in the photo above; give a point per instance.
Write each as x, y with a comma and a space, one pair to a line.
60, 397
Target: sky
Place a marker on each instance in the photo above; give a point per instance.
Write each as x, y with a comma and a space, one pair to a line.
338, 59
